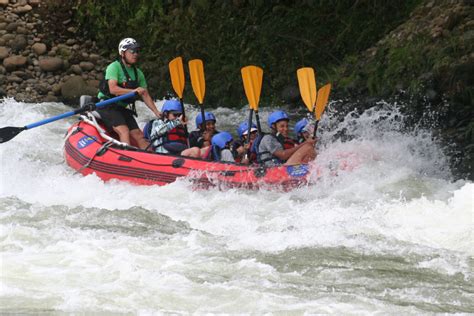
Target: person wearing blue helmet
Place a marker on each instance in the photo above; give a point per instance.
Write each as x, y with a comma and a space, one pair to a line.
241, 147
303, 130
278, 148
205, 130
167, 134
221, 143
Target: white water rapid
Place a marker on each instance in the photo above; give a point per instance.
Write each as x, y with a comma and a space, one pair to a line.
392, 235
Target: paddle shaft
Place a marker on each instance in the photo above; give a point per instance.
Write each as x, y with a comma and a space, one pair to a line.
81, 110
257, 118
203, 124
249, 126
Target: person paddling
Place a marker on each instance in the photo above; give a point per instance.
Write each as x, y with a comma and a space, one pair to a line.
122, 77
241, 147
277, 148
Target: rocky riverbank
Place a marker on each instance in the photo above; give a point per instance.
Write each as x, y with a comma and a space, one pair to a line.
44, 59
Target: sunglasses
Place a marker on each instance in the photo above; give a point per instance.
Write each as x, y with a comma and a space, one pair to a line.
134, 50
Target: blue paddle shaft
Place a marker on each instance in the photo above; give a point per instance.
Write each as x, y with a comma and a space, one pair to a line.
100, 104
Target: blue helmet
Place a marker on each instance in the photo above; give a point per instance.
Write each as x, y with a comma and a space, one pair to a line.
277, 116
300, 125
209, 117
243, 129
172, 106
221, 139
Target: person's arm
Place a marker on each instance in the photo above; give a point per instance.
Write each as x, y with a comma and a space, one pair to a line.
159, 127
285, 154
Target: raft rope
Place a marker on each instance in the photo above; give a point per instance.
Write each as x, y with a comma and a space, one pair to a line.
91, 120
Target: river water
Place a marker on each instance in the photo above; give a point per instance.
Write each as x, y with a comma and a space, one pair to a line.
392, 234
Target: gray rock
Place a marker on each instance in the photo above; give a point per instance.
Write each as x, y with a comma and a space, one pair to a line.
43, 88
2, 70
11, 27
3, 3
14, 79
76, 69
14, 62
51, 64
86, 66
39, 48
4, 52
19, 43
94, 58
74, 87
22, 9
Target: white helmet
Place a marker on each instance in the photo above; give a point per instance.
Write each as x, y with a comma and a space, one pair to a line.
127, 43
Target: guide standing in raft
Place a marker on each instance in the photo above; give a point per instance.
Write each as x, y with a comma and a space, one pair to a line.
121, 77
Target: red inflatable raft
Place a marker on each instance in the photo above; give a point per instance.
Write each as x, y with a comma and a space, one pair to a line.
88, 149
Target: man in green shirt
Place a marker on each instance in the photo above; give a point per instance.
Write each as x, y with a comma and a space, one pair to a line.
122, 77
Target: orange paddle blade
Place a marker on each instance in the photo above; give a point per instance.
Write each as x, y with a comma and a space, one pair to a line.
307, 85
196, 71
177, 75
252, 77
323, 96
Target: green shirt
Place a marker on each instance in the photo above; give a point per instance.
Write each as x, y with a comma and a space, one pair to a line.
114, 71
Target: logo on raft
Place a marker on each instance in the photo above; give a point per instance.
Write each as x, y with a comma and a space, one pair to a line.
298, 170
85, 141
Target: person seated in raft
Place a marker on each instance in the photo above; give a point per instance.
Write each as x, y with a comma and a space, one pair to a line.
202, 137
241, 147
167, 134
221, 147
278, 148
303, 130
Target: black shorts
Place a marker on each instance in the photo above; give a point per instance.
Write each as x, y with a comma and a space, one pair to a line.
116, 115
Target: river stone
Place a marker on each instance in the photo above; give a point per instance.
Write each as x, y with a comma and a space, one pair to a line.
11, 27
51, 64
86, 66
39, 48
94, 58
13, 62
3, 26
14, 79
19, 43
42, 88
34, 2
23, 9
3, 3
76, 69
2, 70
74, 87
4, 52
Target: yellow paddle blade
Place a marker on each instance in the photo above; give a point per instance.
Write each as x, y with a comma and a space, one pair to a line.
177, 75
307, 84
323, 96
196, 71
252, 77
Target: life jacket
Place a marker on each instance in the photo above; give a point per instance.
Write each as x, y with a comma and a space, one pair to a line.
238, 158
129, 84
286, 142
172, 138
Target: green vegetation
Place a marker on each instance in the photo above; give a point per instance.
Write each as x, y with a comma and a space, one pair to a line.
279, 36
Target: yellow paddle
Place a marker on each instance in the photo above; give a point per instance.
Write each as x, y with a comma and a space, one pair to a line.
252, 77
307, 85
196, 71
177, 81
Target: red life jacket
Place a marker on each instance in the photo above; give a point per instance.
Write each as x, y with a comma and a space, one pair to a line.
176, 135
286, 142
